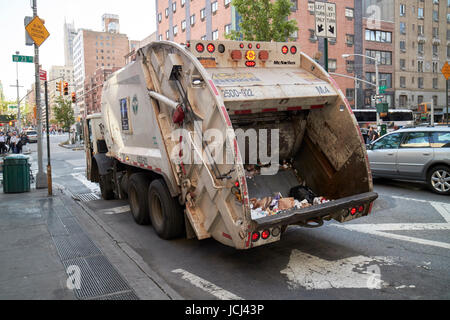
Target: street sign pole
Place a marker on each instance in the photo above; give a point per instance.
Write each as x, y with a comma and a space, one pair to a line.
49, 166
41, 181
18, 102
446, 100
325, 43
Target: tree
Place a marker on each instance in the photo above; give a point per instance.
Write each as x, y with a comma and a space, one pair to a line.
64, 113
264, 20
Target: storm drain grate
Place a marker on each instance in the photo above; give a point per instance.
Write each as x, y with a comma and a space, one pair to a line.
119, 296
98, 278
72, 225
85, 197
74, 246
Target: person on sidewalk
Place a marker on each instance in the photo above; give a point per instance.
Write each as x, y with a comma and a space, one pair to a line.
14, 141
2, 143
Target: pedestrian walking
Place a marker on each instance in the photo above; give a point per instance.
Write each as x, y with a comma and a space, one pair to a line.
14, 141
372, 135
2, 143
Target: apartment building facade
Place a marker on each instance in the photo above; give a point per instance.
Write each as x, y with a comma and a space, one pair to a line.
183, 20
94, 50
422, 49
93, 86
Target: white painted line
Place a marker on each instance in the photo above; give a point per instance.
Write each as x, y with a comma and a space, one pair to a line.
207, 286
443, 209
374, 230
313, 273
116, 210
397, 226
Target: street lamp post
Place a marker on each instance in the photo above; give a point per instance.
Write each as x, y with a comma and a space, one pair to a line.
377, 80
18, 101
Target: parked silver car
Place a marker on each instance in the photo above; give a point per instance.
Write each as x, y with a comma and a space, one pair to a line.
420, 154
32, 135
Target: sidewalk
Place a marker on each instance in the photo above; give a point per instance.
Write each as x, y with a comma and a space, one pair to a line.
51, 248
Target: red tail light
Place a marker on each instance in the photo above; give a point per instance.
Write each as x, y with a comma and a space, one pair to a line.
241, 46
285, 50
236, 55
294, 50
200, 47
353, 211
361, 209
250, 46
250, 63
265, 234
211, 48
258, 46
255, 236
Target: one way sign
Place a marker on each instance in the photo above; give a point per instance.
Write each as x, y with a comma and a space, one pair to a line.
325, 14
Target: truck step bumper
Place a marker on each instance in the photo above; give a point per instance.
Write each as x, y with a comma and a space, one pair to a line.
303, 216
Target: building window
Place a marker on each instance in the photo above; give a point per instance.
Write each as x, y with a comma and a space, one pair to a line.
183, 2
402, 10
350, 94
403, 100
349, 13
383, 57
378, 36
160, 37
294, 6
215, 34
203, 38
183, 25
435, 66
167, 12
420, 30
214, 7
402, 28
226, 3
403, 64
420, 48
202, 14
435, 50
159, 17
435, 15
227, 29
420, 83
402, 82
332, 64
174, 7
420, 66
192, 19
350, 66
435, 83
384, 78
312, 35
350, 39
167, 35
420, 13
175, 30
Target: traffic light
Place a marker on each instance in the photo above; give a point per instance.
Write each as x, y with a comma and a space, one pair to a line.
66, 88
59, 87
74, 97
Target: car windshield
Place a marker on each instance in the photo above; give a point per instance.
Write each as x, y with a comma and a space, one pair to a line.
31, 132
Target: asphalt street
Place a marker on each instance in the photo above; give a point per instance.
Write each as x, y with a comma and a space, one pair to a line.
400, 251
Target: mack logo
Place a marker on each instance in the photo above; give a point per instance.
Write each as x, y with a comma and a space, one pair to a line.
322, 89
284, 62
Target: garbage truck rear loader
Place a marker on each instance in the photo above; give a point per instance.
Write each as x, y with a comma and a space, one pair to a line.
230, 140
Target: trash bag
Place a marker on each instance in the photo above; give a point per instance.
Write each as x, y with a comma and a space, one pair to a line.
301, 193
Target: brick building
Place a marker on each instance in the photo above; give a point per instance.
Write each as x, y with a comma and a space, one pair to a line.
183, 20
94, 50
93, 86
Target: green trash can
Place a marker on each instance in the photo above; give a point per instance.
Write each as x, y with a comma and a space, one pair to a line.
16, 174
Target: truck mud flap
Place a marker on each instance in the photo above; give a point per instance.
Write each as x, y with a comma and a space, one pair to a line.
317, 212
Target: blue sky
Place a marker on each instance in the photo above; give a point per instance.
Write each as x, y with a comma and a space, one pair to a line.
137, 20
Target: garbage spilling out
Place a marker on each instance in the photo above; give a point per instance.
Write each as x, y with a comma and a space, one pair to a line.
299, 197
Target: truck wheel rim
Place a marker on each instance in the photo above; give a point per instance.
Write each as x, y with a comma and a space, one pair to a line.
441, 180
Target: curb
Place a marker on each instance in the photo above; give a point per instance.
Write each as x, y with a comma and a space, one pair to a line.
131, 254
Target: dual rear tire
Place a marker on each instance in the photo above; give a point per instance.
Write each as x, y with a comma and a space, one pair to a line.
151, 202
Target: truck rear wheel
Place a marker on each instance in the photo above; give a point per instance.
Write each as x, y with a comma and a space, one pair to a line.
106, 186
137, 197
165, 212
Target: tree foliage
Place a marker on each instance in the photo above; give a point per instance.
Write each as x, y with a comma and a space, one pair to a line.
63, 112
263, 20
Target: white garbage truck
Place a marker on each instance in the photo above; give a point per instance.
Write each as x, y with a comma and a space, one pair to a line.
231, 140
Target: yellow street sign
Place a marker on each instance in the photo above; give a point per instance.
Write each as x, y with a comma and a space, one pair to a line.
446, 70
37, 31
